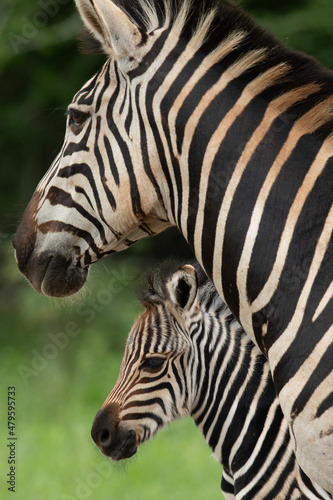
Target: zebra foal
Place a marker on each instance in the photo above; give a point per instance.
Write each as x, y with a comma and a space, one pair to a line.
186, 354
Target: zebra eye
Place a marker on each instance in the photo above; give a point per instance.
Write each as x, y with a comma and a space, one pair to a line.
76, 120
152, 364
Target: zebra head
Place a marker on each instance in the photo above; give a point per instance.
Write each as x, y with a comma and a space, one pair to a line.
152, 389
100, 195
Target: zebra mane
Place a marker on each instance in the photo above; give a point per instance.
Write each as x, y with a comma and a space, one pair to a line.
216, 26
152, 289
207, 22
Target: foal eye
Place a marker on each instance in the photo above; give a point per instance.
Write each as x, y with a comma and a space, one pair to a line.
152, 364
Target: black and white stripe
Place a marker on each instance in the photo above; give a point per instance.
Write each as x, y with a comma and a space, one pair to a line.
186, 355
202, 120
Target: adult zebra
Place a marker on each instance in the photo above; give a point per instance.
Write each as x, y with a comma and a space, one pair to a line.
202, 120
186, 355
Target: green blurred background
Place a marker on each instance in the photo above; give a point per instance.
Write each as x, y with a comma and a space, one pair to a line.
63, 356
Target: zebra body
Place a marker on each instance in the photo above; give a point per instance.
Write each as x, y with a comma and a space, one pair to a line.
186, 355
202, 120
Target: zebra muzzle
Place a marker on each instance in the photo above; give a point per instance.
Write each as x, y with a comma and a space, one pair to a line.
50, 269
53, 274
47, 256
112, 440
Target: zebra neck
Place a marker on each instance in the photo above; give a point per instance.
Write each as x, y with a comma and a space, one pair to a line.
202, 97
231, 376
214, 112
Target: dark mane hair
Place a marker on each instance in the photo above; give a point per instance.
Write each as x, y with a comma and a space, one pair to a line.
210, 23
226, 18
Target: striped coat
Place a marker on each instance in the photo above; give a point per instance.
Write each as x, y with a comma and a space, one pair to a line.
202, 120
186, 355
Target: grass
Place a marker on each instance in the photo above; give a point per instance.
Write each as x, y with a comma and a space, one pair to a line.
60, 386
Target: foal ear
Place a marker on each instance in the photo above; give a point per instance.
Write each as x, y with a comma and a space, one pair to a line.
183, 287
119, 37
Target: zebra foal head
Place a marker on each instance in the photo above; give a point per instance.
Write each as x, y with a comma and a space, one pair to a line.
100, 195
154, 386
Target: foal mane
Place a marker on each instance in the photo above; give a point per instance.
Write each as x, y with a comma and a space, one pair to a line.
153, 288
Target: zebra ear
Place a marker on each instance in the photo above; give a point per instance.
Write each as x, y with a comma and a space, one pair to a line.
183, 287
119, 37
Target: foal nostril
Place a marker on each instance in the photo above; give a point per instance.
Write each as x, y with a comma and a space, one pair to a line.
109, 436
101, 433
105, 438
104, 426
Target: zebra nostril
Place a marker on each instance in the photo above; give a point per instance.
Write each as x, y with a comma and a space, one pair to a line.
105, 438
104, 427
